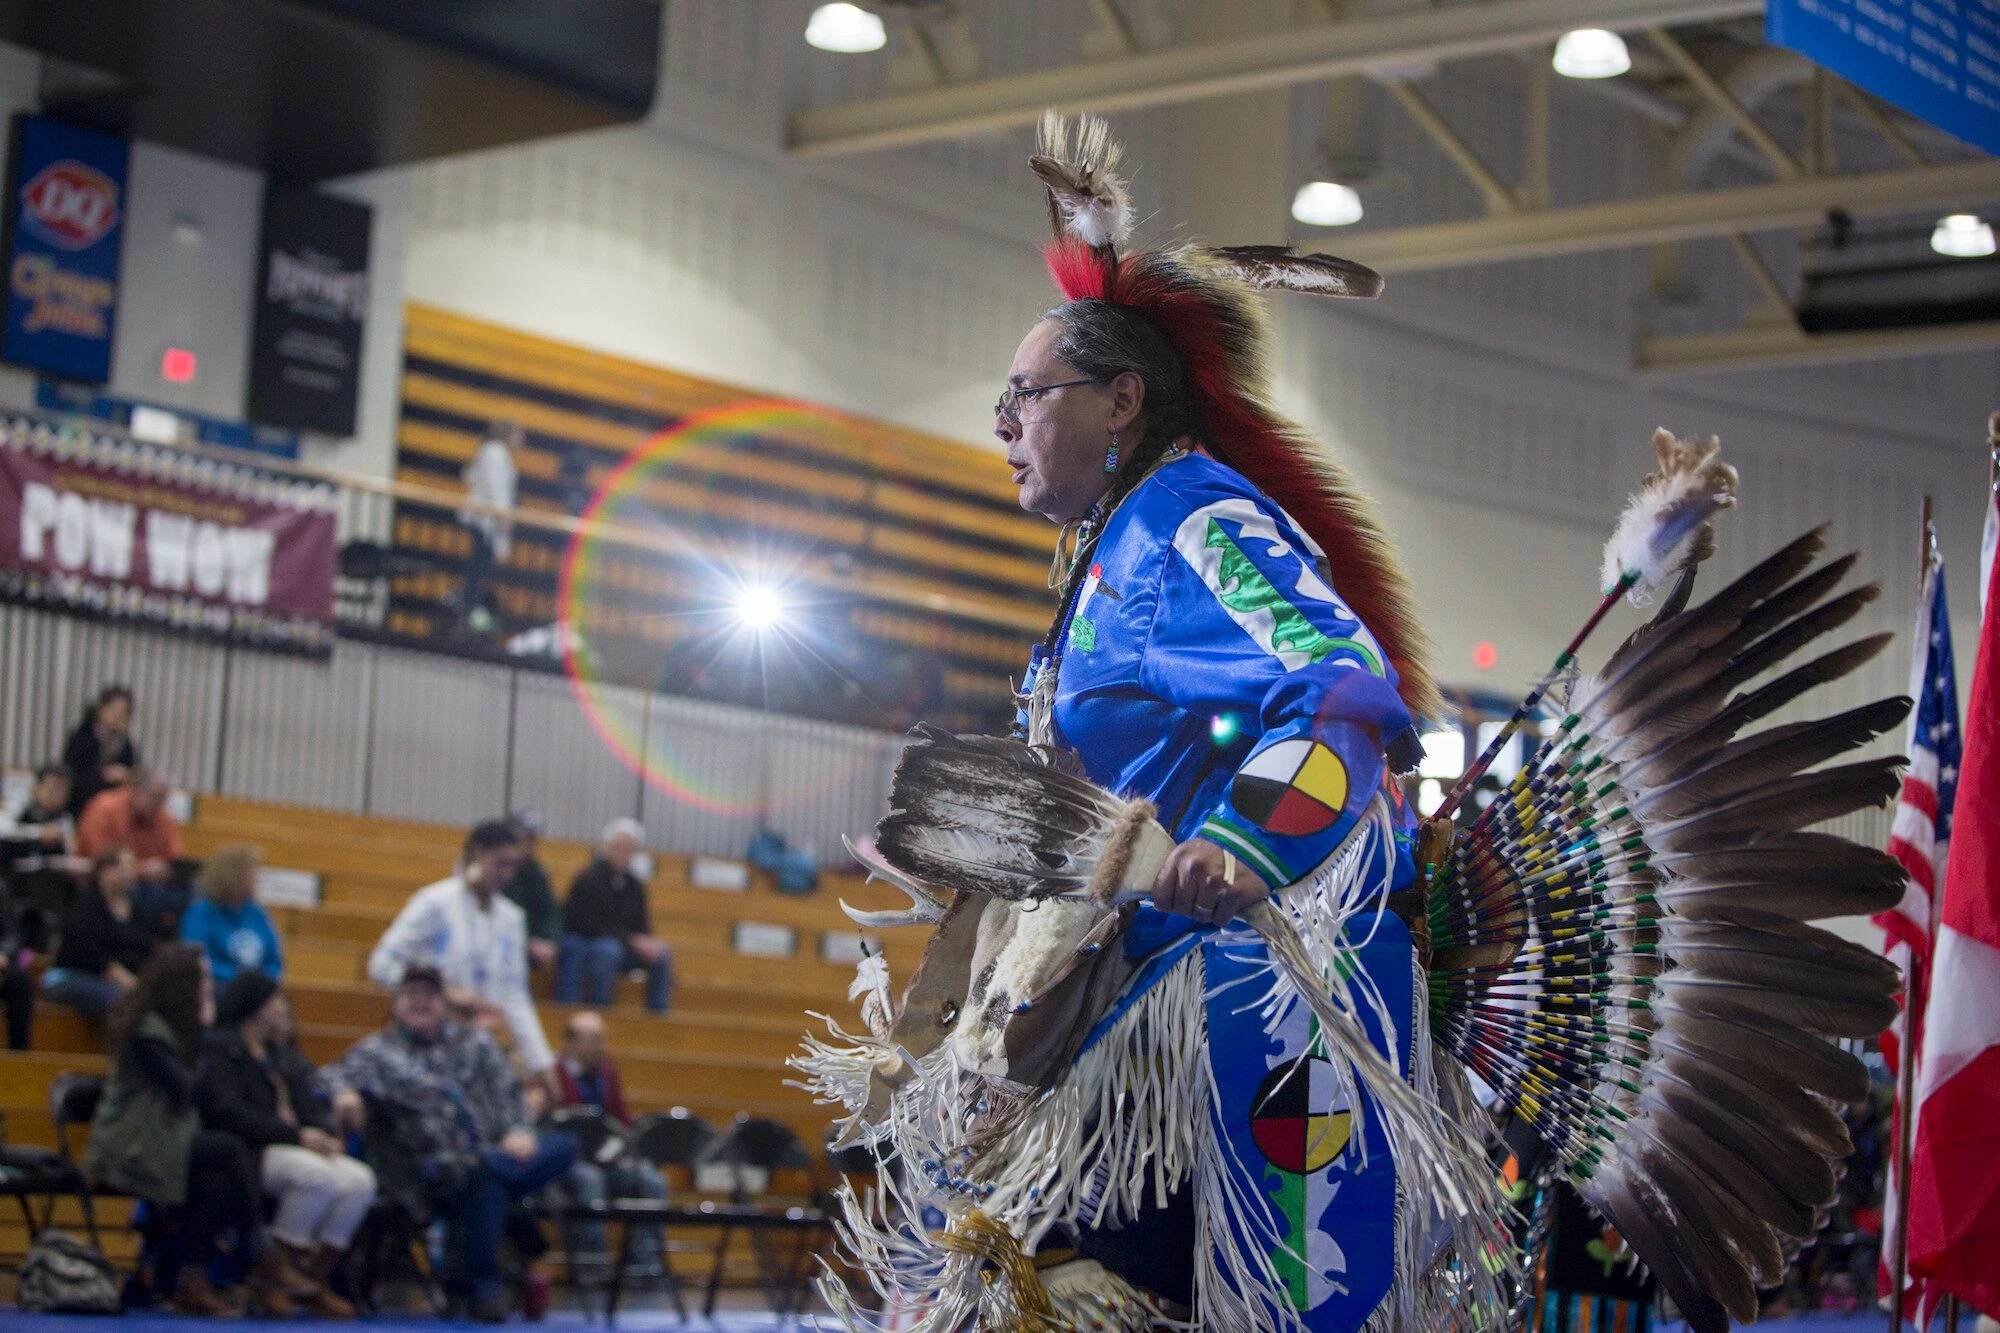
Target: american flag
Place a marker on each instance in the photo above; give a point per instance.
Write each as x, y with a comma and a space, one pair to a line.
1921, 833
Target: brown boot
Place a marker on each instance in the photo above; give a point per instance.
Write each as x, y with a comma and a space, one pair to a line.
318, 1264
194, 1294
288, 1266
270, 1283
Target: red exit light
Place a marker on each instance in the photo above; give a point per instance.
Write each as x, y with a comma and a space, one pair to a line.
177, 365
1484, 655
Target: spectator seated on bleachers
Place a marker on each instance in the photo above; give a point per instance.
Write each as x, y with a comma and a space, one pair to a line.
229, 924
37, 878
589, 1081
147, 1140
608, 927
136, 817
476, 940
38, 856
246, 1089
459, 1114
100, 753
106, 940
17, 984
531, 891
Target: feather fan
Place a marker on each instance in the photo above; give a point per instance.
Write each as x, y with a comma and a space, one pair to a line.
1622, 947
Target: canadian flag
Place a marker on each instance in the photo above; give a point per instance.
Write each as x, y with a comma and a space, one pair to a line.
1954, 1217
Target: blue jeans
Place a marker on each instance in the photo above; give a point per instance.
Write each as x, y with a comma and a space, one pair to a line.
480, 1214
587, 969
90, 995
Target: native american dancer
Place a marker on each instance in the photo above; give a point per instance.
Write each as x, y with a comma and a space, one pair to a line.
1194, 1054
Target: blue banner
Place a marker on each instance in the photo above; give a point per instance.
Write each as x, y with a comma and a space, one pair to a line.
1939, 60
53, 395
63, 233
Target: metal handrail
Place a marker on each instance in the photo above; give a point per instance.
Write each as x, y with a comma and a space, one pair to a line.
823, 572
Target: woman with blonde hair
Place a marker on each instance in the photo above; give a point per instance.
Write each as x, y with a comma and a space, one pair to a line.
231, 927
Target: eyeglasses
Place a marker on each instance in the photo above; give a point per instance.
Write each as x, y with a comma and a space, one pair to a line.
1008, 409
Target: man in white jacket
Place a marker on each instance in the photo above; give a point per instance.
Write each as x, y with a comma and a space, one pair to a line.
467, 929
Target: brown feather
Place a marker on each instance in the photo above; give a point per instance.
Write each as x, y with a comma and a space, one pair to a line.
1782, 643
1632, 1202
1280, 267
1686, 1160
1726, 1274
1840, 1016
1626, 674
1818, 1066
1737, 769
1789, 804
1676, 757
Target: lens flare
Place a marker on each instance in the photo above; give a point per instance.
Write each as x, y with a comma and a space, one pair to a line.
736, 602
759, 607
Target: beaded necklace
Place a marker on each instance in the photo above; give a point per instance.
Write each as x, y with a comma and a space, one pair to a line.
1075, 544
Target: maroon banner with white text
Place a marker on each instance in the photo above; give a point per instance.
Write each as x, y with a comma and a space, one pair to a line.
131, 532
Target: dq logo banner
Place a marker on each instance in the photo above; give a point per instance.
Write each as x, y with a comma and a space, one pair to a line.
63, 238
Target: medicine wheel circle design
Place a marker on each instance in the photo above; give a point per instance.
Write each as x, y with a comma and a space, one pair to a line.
1299, 1116
1295, 788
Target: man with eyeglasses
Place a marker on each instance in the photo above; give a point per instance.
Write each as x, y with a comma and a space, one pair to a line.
1234, 643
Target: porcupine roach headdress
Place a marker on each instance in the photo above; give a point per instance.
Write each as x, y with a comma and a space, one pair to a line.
1206, 302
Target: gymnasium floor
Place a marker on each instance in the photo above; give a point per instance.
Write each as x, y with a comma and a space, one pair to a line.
651, 1321
646, 1321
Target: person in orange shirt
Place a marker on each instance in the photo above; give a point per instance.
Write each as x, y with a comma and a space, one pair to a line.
135, 817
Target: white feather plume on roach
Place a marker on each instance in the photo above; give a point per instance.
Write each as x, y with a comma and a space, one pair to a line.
1078, 161
1665, 526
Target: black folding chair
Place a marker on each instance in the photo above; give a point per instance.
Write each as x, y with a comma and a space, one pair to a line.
599, 1138
766, 1146
601, 1142
73, 1101
672, 1141
30, 1172
398, 1222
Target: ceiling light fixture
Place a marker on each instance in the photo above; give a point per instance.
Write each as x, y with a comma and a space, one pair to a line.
848, 29
1591, 53
1326, 204
1963, 236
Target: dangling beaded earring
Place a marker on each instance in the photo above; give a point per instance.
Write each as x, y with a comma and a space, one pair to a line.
1111, 454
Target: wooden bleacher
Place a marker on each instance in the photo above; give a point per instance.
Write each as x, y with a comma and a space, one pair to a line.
720, 1051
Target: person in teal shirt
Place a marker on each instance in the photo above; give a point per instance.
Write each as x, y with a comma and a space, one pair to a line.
231, 927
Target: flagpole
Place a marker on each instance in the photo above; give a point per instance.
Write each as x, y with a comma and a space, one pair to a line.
1906, 1064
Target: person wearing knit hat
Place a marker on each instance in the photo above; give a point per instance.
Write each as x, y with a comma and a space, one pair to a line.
253, 1086
243, 997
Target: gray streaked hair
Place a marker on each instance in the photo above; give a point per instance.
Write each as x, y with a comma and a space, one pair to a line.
1104, 340
623, 825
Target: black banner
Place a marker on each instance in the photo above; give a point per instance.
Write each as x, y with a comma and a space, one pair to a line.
312, 303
